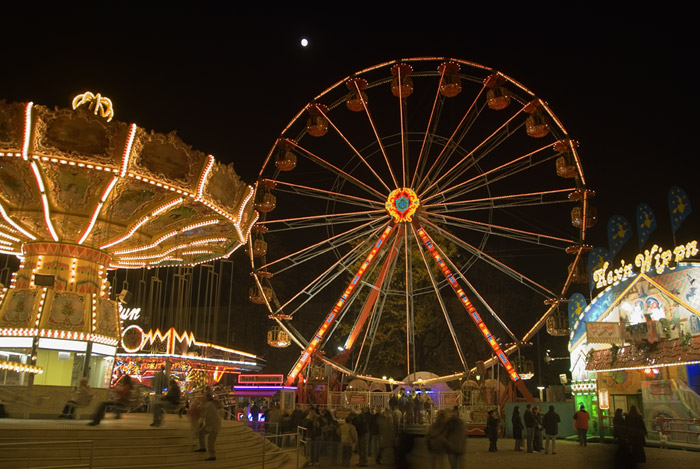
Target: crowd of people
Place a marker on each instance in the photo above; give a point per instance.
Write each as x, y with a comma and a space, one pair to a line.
369, 432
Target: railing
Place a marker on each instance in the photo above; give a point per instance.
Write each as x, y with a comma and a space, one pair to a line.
686, 431
279, 439
270, 432
64, 444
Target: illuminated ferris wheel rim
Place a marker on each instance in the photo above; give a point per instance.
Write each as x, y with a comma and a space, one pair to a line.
434, 211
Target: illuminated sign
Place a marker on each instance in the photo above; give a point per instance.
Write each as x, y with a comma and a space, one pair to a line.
655, 258
129, 314
260, 379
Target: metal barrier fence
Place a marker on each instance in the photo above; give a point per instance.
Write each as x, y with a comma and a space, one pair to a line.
271, 432
64, 443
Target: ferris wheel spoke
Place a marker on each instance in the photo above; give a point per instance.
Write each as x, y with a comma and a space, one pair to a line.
503, 201
445, 314
410, 336
337, 171
402, 123
462, 128
355, 151
376, 134
540, 239
476, 293
325, 278
434, 116
322, 220
509, 271
334, 242
506, 170
490, 142
323, 194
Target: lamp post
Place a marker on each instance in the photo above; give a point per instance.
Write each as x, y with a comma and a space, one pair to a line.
540, 389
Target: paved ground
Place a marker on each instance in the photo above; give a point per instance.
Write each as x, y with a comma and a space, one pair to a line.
569, 456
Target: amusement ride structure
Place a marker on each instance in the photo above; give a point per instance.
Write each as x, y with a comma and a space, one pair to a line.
83, 194
396, 181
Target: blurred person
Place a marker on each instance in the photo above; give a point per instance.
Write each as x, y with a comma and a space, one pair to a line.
436, 438
385, 425
210, 419
122, 398
171, 401
80, 397
348, 440
456, 440
636, 434
530, 423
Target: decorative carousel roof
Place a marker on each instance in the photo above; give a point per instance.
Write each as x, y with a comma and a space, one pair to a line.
144, 199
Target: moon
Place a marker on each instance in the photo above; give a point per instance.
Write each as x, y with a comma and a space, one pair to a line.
304, 42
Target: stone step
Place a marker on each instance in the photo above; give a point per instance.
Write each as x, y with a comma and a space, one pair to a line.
131, 443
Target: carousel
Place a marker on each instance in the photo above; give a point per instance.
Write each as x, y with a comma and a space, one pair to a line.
81, 195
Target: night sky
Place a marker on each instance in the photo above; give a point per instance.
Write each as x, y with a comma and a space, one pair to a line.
229, 80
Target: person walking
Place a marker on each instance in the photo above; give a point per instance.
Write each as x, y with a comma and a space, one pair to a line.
211, 424
80, 397
530, 423
581, 419
517, 428
550, 422
492, 430
170, 402
636, 434
122, 391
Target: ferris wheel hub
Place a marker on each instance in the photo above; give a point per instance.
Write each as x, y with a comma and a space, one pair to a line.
402, 204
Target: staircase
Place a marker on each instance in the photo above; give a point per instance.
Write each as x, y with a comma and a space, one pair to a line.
131, 443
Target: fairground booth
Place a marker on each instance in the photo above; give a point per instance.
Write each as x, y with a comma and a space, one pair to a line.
82, 195
638, 342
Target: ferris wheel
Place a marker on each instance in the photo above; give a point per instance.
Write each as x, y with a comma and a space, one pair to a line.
396, 195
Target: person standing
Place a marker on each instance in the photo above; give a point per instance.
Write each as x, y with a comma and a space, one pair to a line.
517, 428
537, 440
551, 429
492, 430
581, 419
170, 402
636, 434
211, 424
530, 423
254, 415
